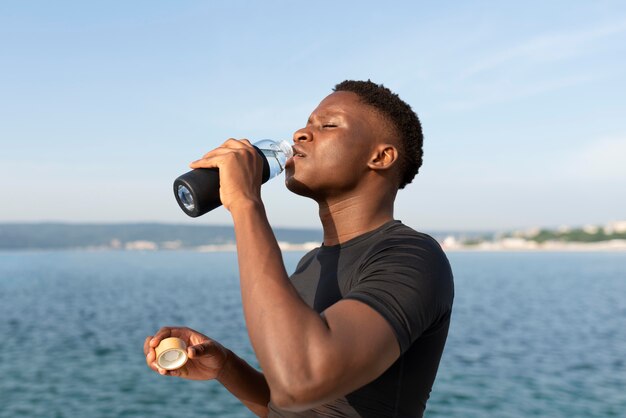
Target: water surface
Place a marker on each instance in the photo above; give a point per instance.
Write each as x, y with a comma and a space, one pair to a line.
533, 334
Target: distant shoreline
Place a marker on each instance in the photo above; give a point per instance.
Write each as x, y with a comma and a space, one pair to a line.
532, 246
607, 246
207, 238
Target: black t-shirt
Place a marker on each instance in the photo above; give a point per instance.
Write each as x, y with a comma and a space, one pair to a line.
405, 276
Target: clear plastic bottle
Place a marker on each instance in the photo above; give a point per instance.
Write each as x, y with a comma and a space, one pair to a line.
198, 191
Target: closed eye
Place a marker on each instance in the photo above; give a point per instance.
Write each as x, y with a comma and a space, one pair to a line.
329, 125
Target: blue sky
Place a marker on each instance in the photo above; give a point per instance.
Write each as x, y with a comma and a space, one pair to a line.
103, 104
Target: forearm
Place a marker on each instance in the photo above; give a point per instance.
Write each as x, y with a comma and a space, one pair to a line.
246, 383
287, 335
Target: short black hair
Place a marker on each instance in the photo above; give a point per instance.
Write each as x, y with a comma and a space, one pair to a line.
402, 117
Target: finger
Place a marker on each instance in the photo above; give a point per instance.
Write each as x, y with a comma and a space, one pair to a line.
218, 157
146, 345
235, 143
216, 153
163, 333
181, 372
149, 353
230, 143
204, 349
150, 360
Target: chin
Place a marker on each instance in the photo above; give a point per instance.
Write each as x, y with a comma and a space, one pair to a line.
297, 187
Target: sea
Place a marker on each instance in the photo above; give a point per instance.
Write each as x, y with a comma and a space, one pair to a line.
533, 334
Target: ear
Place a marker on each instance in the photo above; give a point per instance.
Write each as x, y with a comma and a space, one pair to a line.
383, 157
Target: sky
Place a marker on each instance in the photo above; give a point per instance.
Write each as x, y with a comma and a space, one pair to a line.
523, 104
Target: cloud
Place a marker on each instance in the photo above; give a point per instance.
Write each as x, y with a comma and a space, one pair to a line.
539, 65
546, 48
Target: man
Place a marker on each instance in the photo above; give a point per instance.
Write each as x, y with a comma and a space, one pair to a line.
359, 328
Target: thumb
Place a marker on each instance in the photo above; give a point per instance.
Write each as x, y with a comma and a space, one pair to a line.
204, 349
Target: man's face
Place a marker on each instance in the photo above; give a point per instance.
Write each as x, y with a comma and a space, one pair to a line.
333, 149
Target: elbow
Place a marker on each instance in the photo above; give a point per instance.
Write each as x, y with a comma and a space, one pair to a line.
287, 401
291, 400
301, 385
300, 395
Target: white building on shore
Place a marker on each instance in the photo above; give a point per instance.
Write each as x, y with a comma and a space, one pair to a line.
615, 227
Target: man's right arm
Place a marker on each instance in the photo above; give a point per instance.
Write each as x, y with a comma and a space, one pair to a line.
246, 383
208, 360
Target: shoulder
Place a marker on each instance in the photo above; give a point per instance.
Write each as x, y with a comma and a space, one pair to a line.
401, 254
406, 277
400, 239
306, 260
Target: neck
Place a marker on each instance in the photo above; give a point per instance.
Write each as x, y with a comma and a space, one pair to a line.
349, 217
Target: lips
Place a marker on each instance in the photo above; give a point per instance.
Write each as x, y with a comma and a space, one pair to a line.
298, 152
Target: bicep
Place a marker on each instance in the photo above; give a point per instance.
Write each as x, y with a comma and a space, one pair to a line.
363, 345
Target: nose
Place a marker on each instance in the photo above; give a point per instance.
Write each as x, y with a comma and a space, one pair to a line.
301, 135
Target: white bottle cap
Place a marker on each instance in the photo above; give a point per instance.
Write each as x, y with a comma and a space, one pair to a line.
171, 353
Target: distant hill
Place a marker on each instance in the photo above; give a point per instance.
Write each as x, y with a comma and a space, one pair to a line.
64, 236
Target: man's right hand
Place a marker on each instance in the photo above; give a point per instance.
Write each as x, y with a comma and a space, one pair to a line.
206, 356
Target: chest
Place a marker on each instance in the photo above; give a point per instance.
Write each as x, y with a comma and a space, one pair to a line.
325, 278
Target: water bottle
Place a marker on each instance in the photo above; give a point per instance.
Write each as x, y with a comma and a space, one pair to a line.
198, 191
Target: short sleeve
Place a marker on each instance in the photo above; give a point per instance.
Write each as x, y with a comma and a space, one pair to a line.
407, 281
